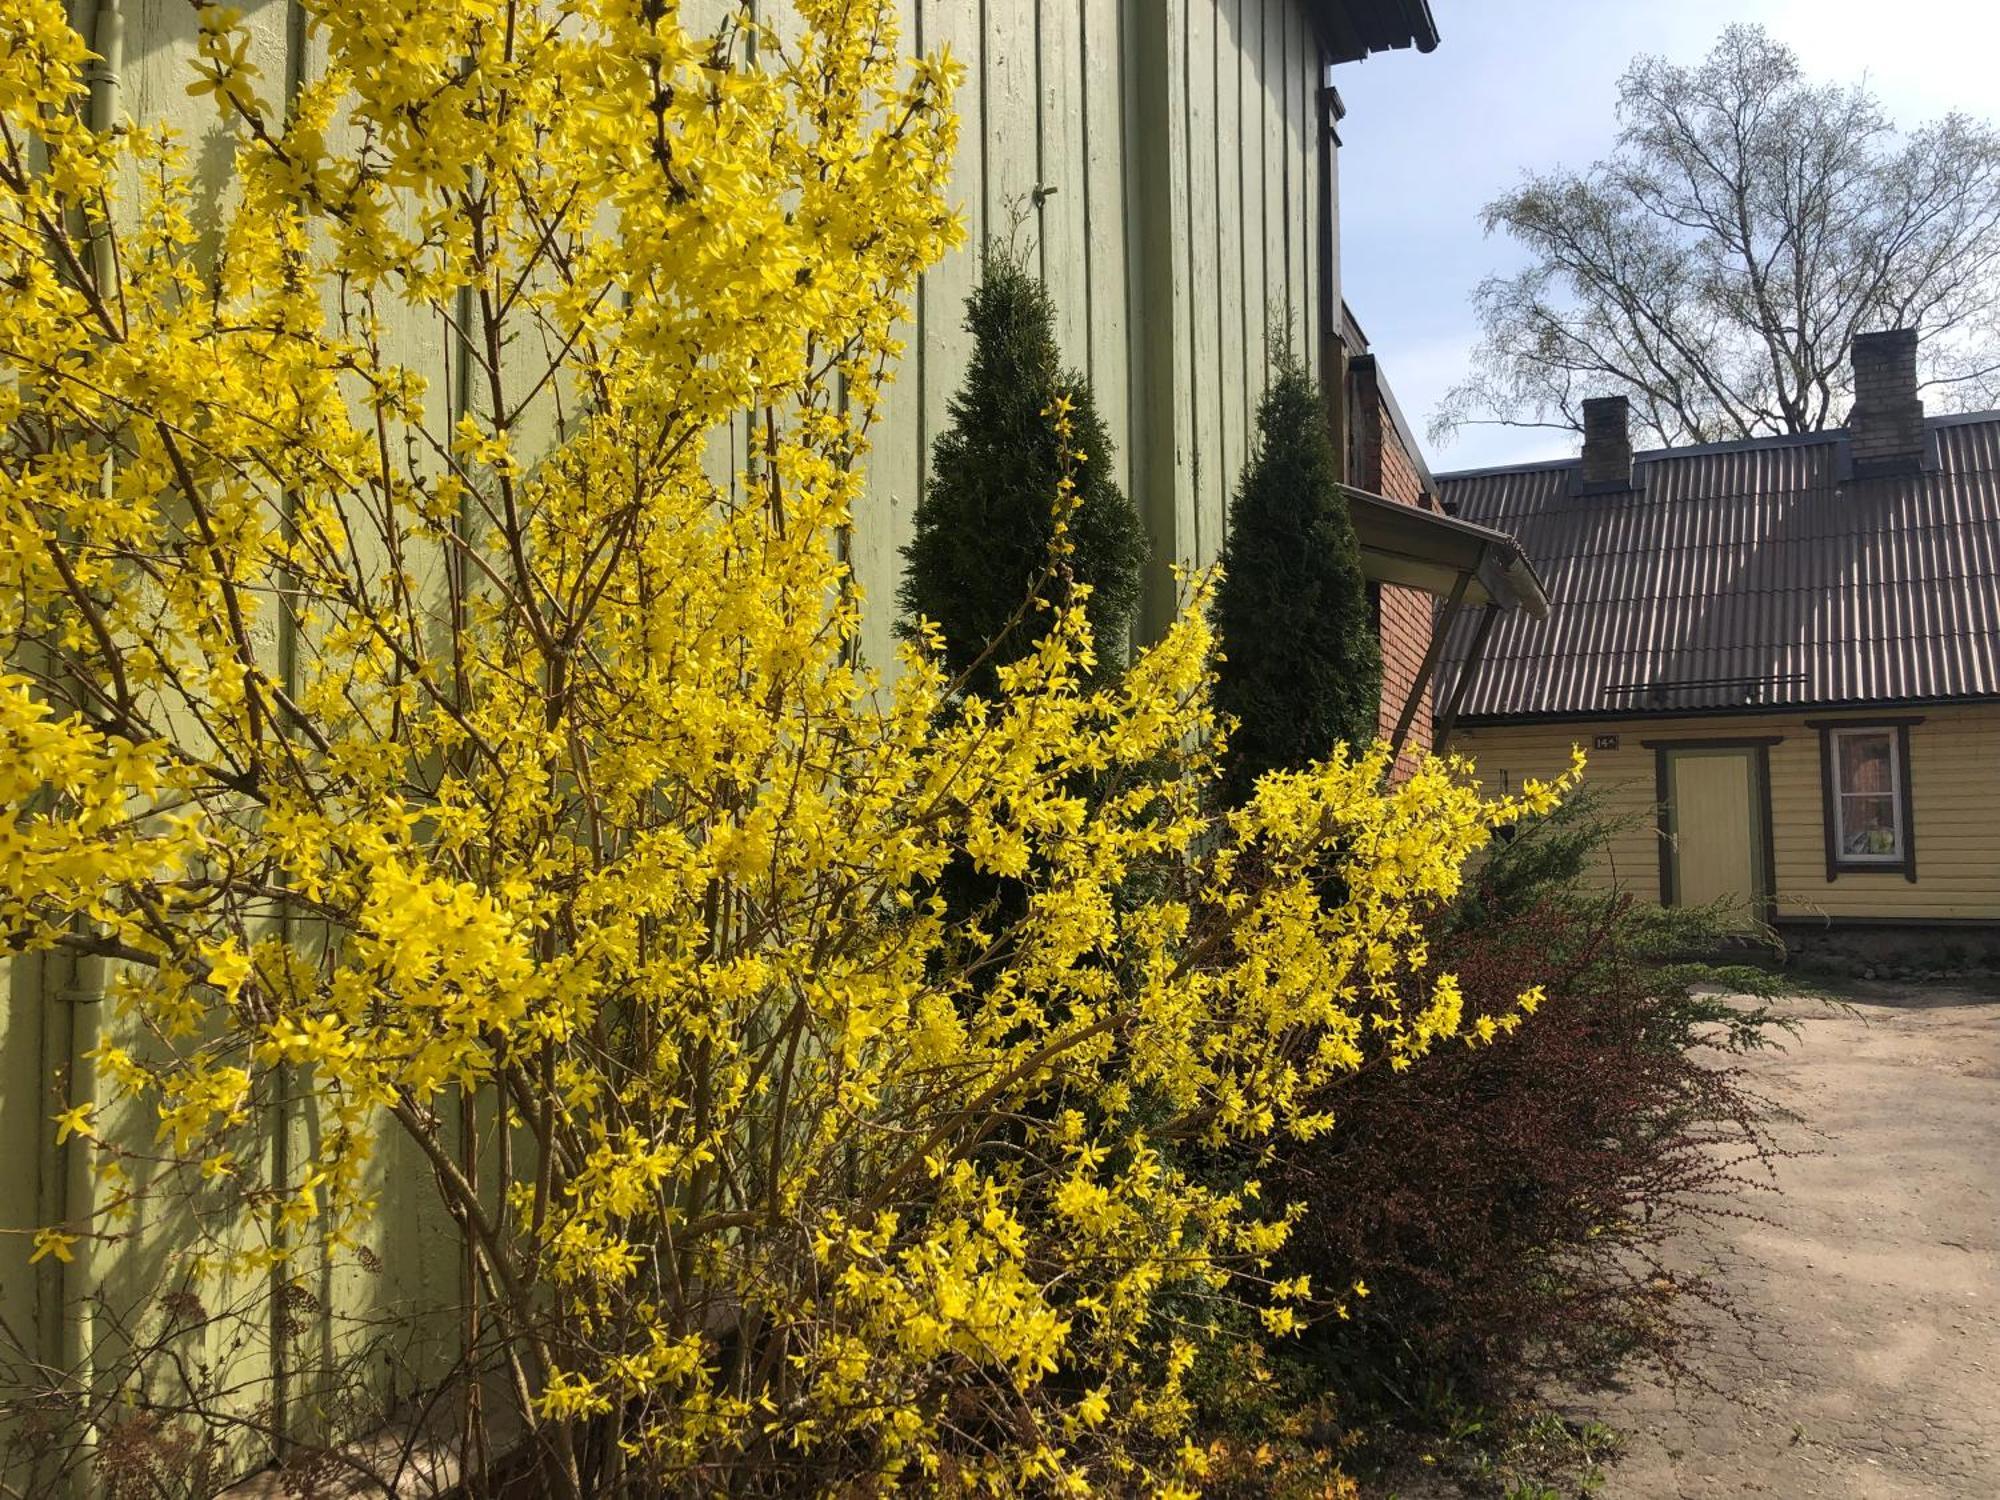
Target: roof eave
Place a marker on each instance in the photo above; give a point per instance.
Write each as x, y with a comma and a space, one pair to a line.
1422, 549
1353, 29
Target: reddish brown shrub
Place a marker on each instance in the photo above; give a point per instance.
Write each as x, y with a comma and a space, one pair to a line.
1510, 1207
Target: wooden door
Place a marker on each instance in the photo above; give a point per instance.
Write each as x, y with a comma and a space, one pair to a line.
1714, 804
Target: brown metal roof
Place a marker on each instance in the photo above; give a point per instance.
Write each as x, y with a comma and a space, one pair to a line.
1748, 575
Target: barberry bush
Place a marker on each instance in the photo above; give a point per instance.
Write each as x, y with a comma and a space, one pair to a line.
1545, 1189
446, 762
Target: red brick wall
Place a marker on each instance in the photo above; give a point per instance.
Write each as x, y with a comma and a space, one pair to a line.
1406, 613
1378, 462
1406, 635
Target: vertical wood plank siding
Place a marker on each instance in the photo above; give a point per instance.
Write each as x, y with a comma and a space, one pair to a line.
1199, 239
1179, 138
1231, 374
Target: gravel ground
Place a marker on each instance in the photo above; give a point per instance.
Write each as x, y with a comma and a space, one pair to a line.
1870, 1366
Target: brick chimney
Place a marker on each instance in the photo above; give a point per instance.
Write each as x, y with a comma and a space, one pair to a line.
1607, 444
1886, 425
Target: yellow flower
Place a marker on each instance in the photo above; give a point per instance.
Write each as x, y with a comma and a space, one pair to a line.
53, 1242
76, 1121
465, 741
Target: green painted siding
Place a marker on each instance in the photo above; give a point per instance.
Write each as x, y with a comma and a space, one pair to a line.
1175, 147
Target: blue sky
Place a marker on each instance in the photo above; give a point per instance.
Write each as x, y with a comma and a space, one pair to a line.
1532, 83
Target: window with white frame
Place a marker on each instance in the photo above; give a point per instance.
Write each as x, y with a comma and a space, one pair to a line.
1868, 797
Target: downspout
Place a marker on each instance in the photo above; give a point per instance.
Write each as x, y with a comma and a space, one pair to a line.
1333, 351
83, 996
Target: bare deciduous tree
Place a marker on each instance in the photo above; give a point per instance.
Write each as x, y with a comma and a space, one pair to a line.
1716, 265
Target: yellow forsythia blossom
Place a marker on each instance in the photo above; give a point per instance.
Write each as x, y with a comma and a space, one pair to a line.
432, 683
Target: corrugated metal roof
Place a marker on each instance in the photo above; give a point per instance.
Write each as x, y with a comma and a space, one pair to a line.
1757, 574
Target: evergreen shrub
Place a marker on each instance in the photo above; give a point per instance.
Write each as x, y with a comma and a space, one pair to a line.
1301, 667
979, 557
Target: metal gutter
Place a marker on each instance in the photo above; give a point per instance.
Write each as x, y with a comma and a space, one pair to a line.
1461, 561
1737, 711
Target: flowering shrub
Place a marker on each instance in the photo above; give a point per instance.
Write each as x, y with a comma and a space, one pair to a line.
438, 744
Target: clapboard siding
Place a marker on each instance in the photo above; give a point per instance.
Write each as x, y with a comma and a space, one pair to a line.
1955, 791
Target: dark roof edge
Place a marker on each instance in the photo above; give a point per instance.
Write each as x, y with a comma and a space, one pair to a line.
1735, 711
1353, 29
1348, 321
1541, 466
1703, 450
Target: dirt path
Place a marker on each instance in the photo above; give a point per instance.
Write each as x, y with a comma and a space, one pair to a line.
1871, 1369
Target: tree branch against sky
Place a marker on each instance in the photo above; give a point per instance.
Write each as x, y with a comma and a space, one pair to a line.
1717, 264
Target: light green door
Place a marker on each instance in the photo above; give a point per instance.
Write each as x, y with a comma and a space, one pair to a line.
1713, 804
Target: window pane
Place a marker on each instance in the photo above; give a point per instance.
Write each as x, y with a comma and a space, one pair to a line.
1865, 763
1868, 825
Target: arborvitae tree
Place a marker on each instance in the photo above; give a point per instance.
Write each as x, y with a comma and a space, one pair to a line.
986, 519
1302, 668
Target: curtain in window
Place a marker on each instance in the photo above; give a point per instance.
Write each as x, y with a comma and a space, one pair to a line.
1867, 771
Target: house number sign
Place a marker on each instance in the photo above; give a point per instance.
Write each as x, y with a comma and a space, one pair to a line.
1605, 742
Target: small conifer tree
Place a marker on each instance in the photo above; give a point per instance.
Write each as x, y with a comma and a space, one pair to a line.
1301, 666
981, 546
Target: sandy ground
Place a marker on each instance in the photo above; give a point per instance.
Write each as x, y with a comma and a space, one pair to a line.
1871, 1365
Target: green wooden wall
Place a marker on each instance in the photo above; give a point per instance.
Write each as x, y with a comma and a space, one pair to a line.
1180, 140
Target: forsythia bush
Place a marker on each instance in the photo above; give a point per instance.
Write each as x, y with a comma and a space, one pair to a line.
431, 735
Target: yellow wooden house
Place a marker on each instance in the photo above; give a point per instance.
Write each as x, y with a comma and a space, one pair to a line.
1781, 655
